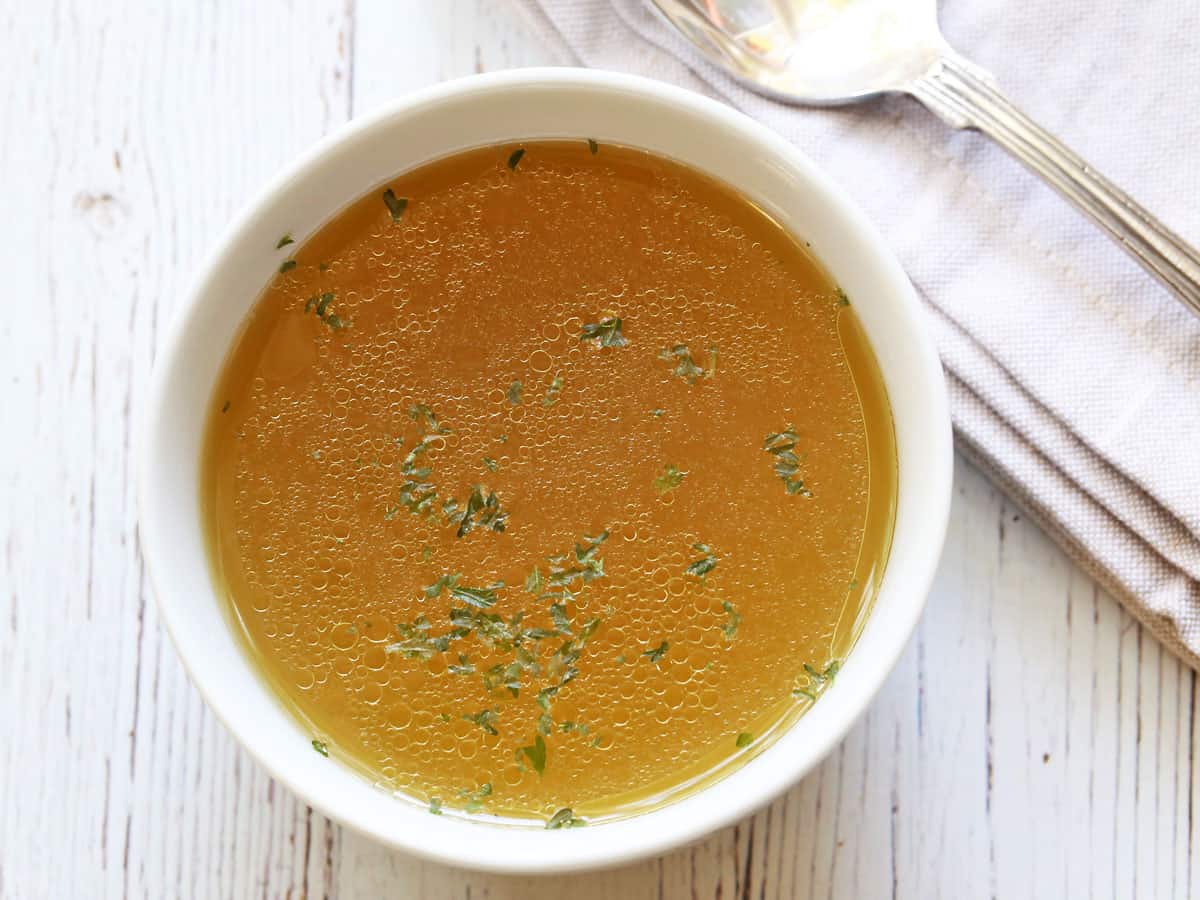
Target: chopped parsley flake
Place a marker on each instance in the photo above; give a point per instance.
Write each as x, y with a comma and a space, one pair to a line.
593, 146
842, 299
564, 818
490, 464
670, 479
654, 654
482, 511
731, 626
415, 641
744, 739
657, 413
481, 598
446, 581
606, 331
475, 798
435, 805
485, 719
321, 747
515, 157
514, 392
320, 304
285, 240
225, 408
286, 266
816, 681
534, 582
552, 392
782, 446
705, 564
686, 366
536, 754
395, 205
423, 415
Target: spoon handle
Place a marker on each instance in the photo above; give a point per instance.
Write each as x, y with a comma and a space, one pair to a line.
965, 96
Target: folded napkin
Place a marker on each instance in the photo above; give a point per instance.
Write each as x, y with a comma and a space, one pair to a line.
1074, 378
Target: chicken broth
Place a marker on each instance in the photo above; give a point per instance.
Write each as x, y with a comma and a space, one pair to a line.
549, 482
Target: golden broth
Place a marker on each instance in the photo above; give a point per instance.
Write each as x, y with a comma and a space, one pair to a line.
375, 386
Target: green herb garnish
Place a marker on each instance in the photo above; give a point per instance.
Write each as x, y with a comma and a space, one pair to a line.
534, 582
320, 303
556, 386
464, 667
656, 653
446, 581
481, 598
225, 408
515, 157
744, 739
514, 392
842, 299
705, 564
536, 754
816, 681
415, 641
782, 446
490, 464
686, 366
564, 818
562, 622
481, 511
593, 146
475, 798
657, 413
426, 554
731, 626
284, 241
485, 719
435, 805
607, 331
395, 205
670, 479
287, 265
321, 747
423, 415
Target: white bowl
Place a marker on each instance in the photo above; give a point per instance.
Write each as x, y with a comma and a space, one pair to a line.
486, 109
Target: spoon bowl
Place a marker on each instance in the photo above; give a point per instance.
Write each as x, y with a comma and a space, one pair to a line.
824, 52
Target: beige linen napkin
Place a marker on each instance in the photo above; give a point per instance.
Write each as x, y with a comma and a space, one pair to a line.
1074, 378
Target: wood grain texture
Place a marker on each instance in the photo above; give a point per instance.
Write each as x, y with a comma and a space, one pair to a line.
1033, 741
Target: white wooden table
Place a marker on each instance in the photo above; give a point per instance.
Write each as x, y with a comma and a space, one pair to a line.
1034, 740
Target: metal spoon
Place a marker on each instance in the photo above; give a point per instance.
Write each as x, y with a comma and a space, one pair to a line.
831, 52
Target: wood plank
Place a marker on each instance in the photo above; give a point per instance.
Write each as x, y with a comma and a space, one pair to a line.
131, 133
